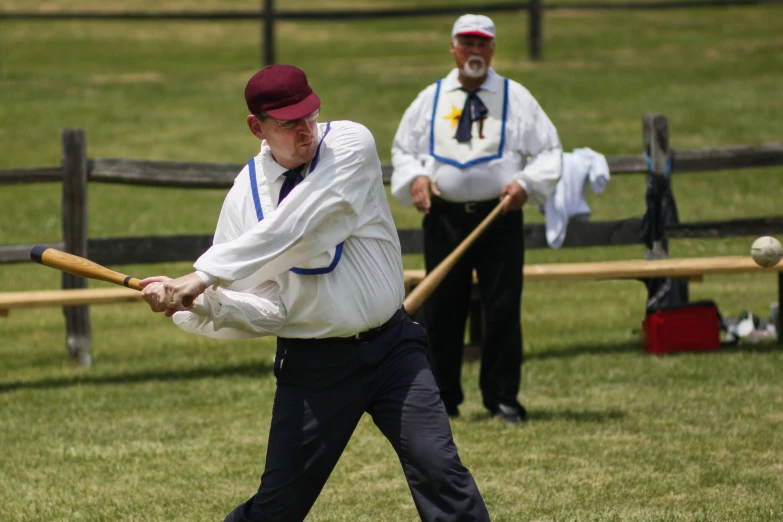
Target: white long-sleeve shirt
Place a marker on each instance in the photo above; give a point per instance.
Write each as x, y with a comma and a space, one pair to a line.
531, 153
341, 201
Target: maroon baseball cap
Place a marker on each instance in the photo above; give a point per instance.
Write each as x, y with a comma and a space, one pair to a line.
282, 92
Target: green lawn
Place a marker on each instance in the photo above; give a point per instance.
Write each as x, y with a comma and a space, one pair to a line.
172, 427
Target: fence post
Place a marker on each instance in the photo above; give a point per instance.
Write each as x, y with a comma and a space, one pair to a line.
656, 141
534, 33
661, 210
269, 32
656, 147
74, 221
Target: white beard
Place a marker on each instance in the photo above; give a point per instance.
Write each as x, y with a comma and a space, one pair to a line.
475, 67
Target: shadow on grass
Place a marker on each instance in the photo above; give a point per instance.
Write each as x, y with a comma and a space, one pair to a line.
553, 415
576, 416
636, 346
255, 371
762, 347
597, 349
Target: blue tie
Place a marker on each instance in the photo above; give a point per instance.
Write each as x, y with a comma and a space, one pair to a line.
292, 178
474, 110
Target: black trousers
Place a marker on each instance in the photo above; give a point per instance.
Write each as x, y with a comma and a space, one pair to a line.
498, 257
323, 389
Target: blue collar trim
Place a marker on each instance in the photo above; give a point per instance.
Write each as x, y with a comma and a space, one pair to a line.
260, 213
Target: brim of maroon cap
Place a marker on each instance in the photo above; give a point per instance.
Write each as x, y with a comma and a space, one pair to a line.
476, 33
297, 110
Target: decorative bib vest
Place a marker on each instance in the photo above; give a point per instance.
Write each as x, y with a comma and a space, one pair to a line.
488, 134
264, 201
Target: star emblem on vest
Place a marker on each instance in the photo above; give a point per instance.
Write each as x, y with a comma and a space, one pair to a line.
477, 112
454, 116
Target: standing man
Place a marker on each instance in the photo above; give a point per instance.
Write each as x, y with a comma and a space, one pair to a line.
306, 249
464, 142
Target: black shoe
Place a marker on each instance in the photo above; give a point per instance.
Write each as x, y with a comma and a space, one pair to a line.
452, 411
511, 414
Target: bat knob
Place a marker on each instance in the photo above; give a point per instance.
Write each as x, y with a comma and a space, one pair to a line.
36, 253
187, 301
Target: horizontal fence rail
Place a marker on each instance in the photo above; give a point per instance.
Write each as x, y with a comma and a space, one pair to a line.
33, 175
164, 173
369, 14
165, 249
268, 15
324, 14
727, 158
221, 175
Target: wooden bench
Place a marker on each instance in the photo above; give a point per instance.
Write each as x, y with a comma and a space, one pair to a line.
690, 269
75, 297
686, 268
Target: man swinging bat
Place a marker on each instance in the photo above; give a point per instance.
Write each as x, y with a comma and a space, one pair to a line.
306, 249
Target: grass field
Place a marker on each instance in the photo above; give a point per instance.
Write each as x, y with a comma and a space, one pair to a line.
171, 427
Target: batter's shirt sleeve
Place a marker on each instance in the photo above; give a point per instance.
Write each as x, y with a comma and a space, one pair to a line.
226, 314
410, 154
539, 142
321, 212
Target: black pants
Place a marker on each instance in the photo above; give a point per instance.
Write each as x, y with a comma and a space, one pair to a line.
497, 257
323, 389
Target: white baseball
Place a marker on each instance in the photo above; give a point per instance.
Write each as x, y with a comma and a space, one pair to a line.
766, 251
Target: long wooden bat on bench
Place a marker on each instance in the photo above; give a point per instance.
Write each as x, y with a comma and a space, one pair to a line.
428, 285
80, 266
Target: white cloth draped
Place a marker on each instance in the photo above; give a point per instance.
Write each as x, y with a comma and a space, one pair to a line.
581, 168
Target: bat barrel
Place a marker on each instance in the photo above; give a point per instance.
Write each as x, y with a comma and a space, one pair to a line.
80, 266
423, 290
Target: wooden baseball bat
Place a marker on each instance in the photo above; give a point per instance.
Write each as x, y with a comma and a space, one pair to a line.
423, 290
80, 266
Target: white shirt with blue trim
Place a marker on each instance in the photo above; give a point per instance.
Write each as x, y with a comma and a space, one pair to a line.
529, 152
341, 201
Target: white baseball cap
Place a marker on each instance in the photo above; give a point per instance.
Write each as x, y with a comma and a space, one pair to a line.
474, 25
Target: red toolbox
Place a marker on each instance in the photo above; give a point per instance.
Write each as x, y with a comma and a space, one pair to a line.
684, 328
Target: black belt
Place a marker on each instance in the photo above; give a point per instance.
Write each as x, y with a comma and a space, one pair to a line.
362, 337
467, 207
368, 335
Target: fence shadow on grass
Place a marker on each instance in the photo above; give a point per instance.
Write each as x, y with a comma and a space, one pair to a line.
587, 349
576, 415
767, 346
536, 415
636, 346
207, 372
